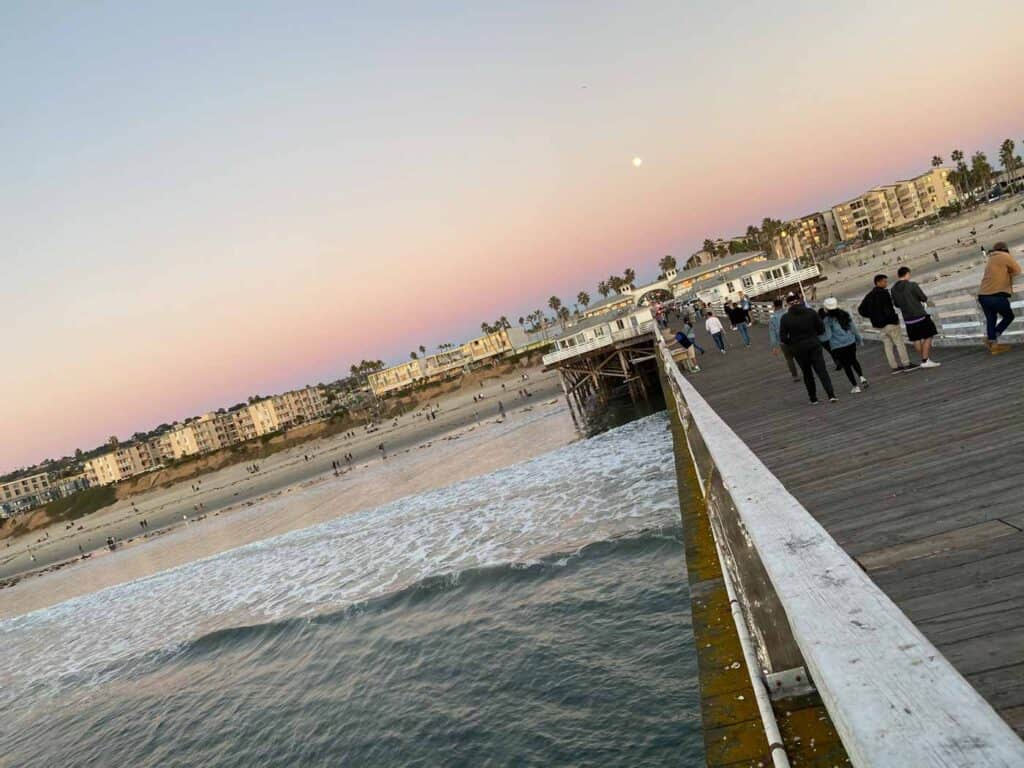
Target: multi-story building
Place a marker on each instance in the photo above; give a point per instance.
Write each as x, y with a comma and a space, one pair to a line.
396, 377
441, 364
893, 206
815, 232
497, 344
237, 425
302, 405
26, 492
122, 462
265, 416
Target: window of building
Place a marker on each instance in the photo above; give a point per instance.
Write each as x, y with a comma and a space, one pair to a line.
748, 282
599, 332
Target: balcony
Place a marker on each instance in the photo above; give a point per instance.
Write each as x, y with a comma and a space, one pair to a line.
619, 334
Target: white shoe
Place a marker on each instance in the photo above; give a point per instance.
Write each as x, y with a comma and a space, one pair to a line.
856, 391
723, 351
930, 364
864, 382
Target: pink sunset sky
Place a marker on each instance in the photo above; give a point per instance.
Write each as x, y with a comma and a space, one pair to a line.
199, 205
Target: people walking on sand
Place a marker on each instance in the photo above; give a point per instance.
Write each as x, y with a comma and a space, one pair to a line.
501, 410
773, 335
740, 319
714, 326
994, 296
800, 328
844, 338
908, 296
877, 307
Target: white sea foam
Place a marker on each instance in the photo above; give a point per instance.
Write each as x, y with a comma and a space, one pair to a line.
609, 486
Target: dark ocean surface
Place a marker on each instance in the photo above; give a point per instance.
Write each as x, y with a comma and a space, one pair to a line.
535, 616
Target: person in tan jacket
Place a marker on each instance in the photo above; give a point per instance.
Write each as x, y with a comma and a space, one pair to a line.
994, 295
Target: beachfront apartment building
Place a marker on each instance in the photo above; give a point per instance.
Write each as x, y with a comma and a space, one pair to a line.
396, 377
496, 344
123, 462
23, 493
893, 206
440, 365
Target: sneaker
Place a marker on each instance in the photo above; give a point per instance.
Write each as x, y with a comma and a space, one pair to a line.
930, 364
696, 369
723, 351
911, 367
856, 391
814, 402
833, 399
898, 369
864, 383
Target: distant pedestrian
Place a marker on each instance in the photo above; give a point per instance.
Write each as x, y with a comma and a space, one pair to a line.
877, 307
740, 319
800, 328
689, 359
844, 338
501, 410
908, 296
773, 335
994, 296
714, 326
691, 333
935, 255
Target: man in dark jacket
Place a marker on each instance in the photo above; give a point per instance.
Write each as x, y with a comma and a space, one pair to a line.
908, 296
739, 316
877, 307
799, 329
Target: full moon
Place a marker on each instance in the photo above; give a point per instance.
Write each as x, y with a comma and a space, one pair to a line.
637, 162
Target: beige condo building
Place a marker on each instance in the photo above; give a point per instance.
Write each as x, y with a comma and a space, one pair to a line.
893, 206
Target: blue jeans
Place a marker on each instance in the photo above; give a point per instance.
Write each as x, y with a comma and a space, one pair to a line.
742, 328
696, 346
719, 340
996, 305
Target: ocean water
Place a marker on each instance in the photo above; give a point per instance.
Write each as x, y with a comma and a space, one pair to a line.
534, 616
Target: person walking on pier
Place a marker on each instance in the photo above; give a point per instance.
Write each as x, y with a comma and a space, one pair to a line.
843, 339
994, 295
877, 307
740, 319
800, 328
777, 346
714, 326
691, 334
908, 296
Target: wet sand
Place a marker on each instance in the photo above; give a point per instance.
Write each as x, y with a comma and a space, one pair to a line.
291, 492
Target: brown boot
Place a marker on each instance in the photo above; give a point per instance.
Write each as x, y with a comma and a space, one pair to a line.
997, 349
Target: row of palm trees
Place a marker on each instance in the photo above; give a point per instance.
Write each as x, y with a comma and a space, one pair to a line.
978, 175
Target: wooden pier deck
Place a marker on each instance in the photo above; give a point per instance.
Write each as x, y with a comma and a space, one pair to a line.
919, 479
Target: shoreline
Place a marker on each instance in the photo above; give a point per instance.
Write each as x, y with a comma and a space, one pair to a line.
466, 440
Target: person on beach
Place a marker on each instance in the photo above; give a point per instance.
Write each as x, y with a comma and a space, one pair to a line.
740, 319
714, 326
773, 335
501, 410
877, 307
994, 296
908, 296
800, 328
844, 338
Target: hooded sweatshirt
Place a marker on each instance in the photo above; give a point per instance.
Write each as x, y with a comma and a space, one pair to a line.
999, 272
908, 296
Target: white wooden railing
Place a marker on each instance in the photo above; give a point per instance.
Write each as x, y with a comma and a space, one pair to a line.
621, 334
958, 318
894, 699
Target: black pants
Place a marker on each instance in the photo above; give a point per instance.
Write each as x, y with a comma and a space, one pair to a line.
811, 362
847, 358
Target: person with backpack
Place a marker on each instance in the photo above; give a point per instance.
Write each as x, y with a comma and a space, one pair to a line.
740, 319
843, 339
689, 359
877, 307
773, 335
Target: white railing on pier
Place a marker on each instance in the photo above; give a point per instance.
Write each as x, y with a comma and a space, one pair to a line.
621, 334
894, 699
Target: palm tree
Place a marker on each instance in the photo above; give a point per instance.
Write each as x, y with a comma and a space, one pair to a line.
604, 289
629, 276
936, 161
522, 321
1009, 161
423, 350
961, 181
413, 356
709, 247
981, 171
504, 323
666, 263
583, 298
554, 303
615, 283
563, 315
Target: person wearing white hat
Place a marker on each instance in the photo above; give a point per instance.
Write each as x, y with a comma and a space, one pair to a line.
843, 339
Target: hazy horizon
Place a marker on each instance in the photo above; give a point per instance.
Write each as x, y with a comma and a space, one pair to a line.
206, 203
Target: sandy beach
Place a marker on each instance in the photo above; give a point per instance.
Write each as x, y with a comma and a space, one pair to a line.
238, 507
